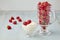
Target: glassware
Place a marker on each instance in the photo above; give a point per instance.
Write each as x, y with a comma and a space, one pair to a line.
46, 17
58, 16
29, 29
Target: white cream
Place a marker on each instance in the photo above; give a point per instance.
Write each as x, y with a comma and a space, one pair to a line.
30, 27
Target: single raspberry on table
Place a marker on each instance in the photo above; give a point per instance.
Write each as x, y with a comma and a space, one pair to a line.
12, 18
15, 22
17, 17
19, 20
10, 21
9, 27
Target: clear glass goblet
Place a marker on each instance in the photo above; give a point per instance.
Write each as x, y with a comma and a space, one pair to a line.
45, 21
46, 16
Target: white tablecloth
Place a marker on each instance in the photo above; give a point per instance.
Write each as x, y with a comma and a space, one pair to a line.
16, 32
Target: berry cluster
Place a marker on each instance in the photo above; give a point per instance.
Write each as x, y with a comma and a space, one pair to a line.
43, 5
12, 20
27, 22
43, 12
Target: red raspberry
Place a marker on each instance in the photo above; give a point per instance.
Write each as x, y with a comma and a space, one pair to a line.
9, 27
44, 27
39, 3
40, 21
29, 21
17, 17
19, 20
25, 23
15, 22
10, 21
12, 18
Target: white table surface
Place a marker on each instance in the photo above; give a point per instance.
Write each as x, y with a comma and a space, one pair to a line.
16, 32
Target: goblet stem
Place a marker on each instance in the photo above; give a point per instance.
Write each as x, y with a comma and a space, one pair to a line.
43, 28
28, 35
44, 31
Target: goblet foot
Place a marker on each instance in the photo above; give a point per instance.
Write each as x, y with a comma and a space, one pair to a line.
28, 35
44, 33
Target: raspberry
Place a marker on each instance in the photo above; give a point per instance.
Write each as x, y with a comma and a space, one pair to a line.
10, 21
12, 18
17, 17
19, 20
9, 27
25, 23
29, 21
15, 22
